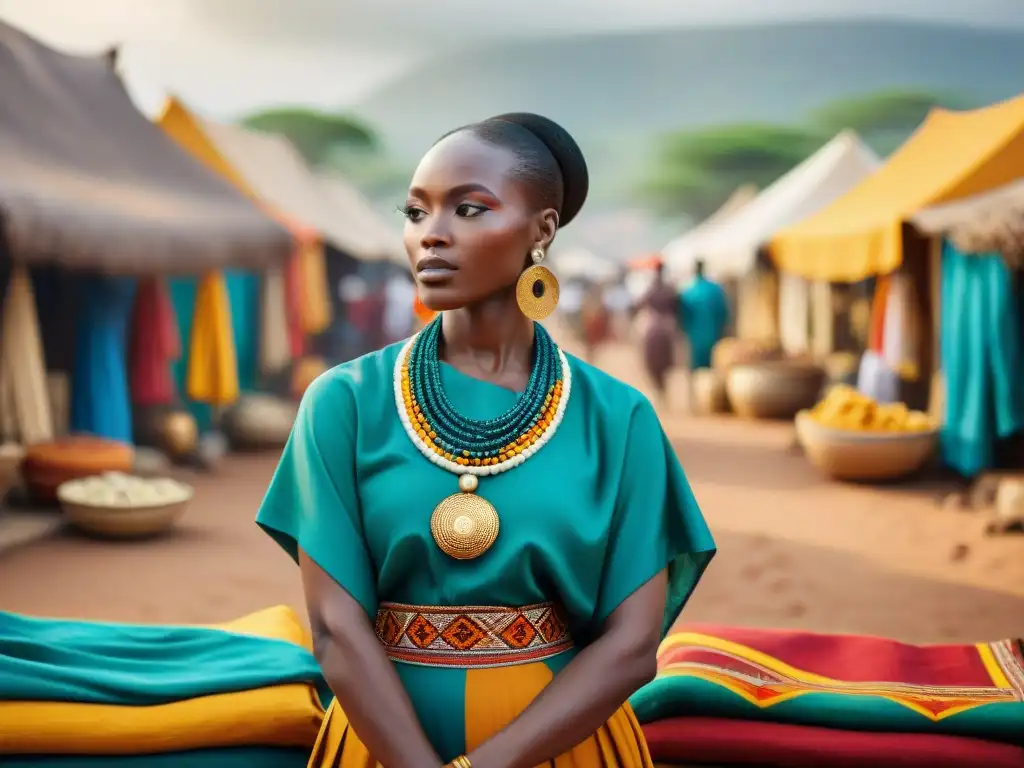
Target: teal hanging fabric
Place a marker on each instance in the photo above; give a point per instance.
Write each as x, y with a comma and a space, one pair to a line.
982, 358
243, 293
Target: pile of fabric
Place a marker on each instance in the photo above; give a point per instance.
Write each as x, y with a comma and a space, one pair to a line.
79, 694
727, 696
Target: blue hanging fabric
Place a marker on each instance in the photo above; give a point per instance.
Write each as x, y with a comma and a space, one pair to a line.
100, 399
982, 358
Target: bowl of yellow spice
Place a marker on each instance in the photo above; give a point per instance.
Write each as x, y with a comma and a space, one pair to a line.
850, 436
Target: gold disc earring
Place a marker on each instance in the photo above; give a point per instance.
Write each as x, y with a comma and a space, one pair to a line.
537, 289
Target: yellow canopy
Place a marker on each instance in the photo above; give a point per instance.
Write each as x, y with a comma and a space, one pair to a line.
951, 156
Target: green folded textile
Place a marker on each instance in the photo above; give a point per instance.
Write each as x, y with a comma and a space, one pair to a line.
239, 757
138, 665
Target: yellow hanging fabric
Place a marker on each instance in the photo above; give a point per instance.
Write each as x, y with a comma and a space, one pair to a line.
212, 369
316, 300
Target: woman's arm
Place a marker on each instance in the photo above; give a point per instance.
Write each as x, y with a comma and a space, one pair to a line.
589, 690
360, 674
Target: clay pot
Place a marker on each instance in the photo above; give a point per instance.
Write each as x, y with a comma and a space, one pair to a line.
773, 390
708, 391
259, 421
731, 351
49, 464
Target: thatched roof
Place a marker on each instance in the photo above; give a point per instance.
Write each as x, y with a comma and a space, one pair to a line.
991, 221
89, 182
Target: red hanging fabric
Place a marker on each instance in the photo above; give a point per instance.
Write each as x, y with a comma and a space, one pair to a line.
293, 304
154, 344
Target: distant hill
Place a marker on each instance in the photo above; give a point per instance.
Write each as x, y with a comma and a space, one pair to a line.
616, 92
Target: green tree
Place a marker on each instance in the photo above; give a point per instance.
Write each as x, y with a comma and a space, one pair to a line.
886, 118
317, 135
695, 171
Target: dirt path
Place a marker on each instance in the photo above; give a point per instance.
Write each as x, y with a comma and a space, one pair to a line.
794, 550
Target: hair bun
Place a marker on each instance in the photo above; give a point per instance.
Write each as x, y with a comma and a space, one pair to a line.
568, 155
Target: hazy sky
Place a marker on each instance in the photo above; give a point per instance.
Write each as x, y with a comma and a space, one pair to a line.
227, 56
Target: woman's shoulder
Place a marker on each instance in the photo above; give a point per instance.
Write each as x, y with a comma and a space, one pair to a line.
347, 385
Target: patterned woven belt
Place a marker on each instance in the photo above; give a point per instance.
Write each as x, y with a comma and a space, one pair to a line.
475, 636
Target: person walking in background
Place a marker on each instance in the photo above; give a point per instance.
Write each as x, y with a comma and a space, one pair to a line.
595, 322
660, 309
703, 315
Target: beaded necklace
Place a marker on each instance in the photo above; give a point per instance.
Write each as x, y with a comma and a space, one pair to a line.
465, 525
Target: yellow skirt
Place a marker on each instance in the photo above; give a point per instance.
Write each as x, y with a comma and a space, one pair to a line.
495, 696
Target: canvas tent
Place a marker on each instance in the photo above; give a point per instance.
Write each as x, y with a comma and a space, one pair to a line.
367, 224
826, 175
681, 253
278, 174
786, 307
952, 155
89, 182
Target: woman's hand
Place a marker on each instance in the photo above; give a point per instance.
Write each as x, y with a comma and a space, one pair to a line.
589, 690
360, 674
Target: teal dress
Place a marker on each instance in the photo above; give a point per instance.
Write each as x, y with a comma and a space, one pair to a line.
704, 315
594, 515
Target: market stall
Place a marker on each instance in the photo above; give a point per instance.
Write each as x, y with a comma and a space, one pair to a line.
981, 312
94, 198
801, 315
873, 231
273, 313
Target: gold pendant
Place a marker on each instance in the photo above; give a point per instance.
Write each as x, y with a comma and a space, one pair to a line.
465, 525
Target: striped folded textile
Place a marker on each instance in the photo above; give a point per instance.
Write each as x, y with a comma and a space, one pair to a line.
841, 682
709, 741
78, 689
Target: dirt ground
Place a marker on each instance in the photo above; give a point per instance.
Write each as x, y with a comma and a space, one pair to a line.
794, 550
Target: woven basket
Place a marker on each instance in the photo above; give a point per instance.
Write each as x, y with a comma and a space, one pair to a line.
852, 455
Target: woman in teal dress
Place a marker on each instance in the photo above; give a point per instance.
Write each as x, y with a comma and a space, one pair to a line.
493, 536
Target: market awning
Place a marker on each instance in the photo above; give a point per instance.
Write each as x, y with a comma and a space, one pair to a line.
839, 166
89, 182
952, 155
277, 173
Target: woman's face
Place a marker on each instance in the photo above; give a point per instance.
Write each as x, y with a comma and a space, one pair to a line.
470, 225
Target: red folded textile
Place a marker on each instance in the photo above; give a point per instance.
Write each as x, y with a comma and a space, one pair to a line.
966, 690
854, 658
718, 741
